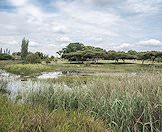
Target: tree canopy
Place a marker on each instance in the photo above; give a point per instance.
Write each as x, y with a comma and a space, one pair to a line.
81, 52
24, 48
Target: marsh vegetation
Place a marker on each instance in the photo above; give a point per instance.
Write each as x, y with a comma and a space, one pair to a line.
81, 92
124, 97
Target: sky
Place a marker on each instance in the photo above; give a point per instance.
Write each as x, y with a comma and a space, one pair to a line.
50, 25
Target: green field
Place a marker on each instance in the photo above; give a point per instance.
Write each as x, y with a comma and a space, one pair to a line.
118, 97
101, 67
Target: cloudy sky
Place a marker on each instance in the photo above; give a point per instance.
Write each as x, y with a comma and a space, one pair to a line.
110, 24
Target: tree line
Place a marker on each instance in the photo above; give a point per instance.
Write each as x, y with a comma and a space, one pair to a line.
29, 57
80, 52
25, 55
5, 54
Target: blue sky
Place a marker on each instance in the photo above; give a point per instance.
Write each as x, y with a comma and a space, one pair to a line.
110, 24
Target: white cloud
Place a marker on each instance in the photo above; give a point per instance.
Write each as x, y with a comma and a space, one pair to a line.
143, 6
18, 2
86, 20
64, 39
58, 28
99, 23
150, 43
121, 47
143, 45
34, 44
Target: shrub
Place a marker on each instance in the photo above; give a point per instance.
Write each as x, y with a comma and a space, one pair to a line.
5, 57
33, 58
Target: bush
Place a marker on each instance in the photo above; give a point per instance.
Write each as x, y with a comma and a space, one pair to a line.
5, 57
33, 58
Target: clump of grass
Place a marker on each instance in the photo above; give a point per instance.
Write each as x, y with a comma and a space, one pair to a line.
3, 85
27, 69
22, 117
124, 103
71, 80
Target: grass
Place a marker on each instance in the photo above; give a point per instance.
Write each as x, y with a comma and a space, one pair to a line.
22, 117
124, 103
27, 69
87, 103
31, 69
3, 85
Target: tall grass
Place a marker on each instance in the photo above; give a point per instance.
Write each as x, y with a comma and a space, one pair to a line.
3, 85
24, 118
124, 103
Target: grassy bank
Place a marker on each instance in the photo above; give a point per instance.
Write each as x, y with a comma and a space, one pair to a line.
124, 103
28, 69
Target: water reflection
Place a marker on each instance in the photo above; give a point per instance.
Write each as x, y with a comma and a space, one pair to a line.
46, 75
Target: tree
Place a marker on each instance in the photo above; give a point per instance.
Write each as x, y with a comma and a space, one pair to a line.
24, 48
41, 55
146, 56
33, 58
111, 55
132, 52
5, 57
74, 56
1, 51
72, 47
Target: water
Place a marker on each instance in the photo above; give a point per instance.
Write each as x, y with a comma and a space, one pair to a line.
46, 75
16, 84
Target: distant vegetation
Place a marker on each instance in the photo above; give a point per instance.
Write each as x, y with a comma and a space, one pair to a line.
79, 52
5, 54
24, 55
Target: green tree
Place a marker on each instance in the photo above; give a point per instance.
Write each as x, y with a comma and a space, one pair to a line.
5, 57
33, 58
41, 55
24, 48
1, 51
72, 47
132, 52
146, 56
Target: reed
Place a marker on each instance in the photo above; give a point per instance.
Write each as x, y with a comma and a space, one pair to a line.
124, 103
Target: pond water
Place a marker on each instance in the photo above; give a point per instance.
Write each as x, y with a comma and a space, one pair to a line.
17, 84
46, 75
56, 74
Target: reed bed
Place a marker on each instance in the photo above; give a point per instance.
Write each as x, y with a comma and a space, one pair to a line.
25, 118
124, 103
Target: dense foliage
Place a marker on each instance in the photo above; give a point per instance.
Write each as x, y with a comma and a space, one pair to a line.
24, 49
5, 55
80, 52
33, 58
